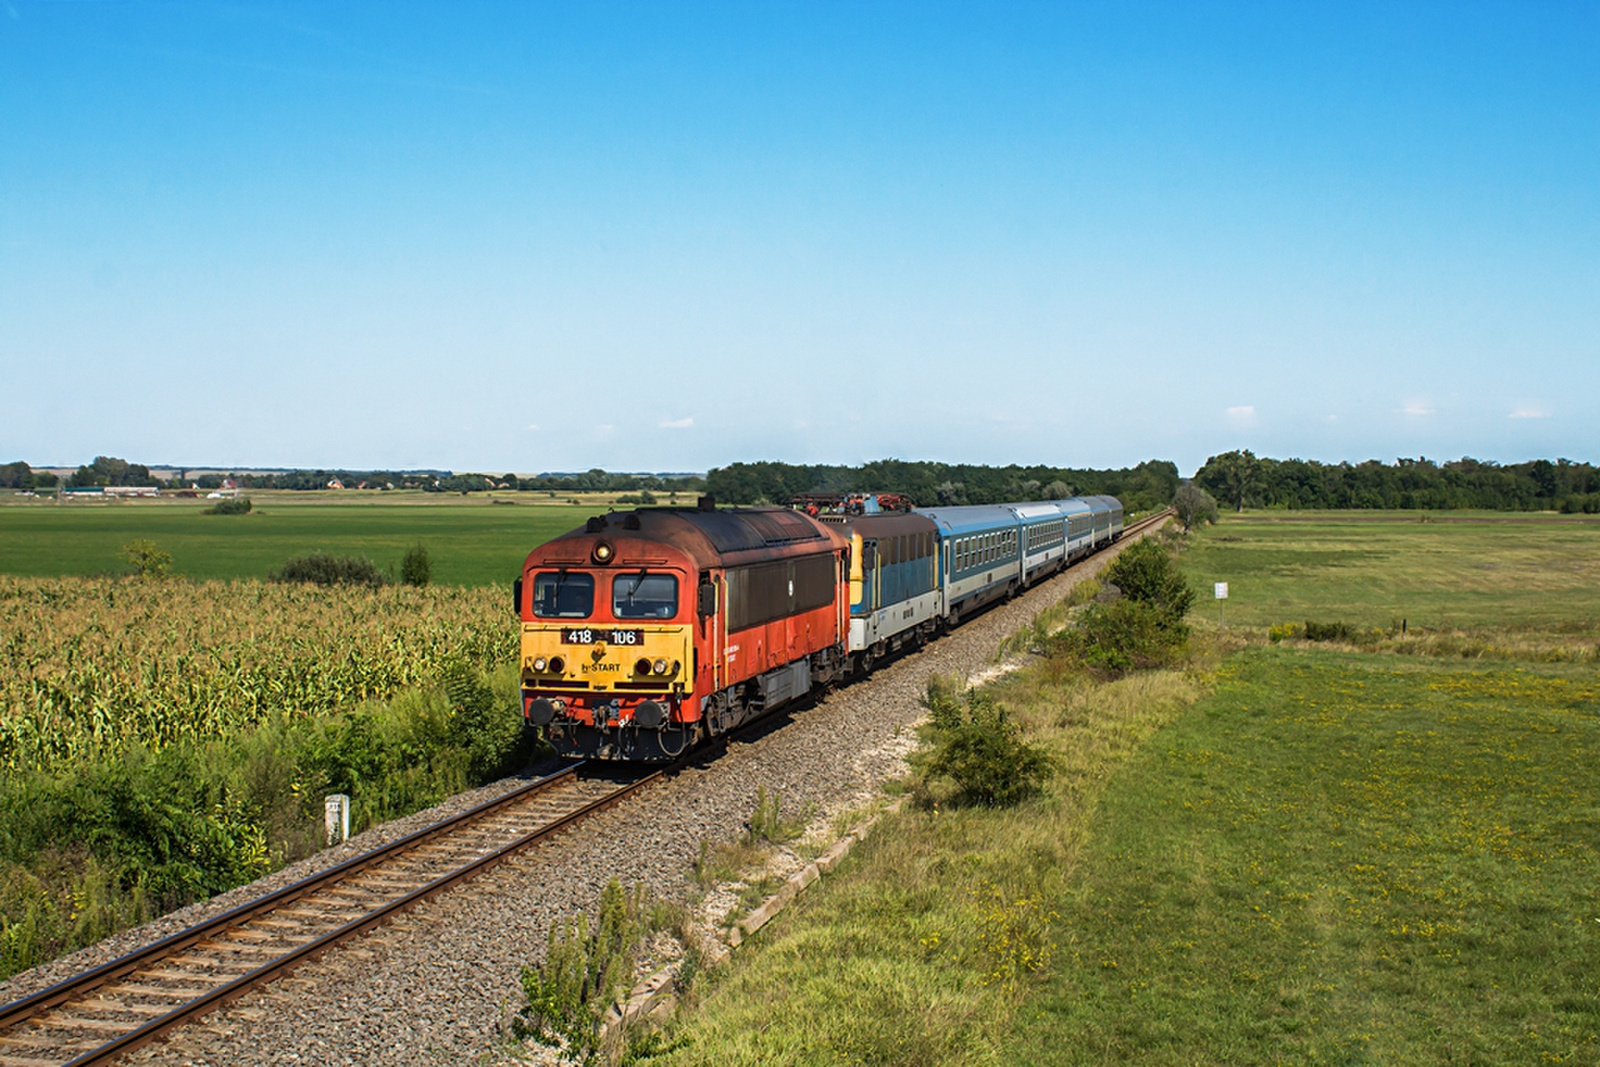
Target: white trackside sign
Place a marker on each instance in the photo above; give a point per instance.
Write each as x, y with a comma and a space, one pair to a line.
1222, 590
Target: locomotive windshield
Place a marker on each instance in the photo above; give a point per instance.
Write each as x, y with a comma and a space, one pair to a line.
644, 596
563, 596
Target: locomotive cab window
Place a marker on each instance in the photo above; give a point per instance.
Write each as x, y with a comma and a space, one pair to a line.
563, 596
644, 596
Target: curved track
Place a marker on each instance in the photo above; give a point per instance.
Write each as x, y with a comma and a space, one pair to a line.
119, 1006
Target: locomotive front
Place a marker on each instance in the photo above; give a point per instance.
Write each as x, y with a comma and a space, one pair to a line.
608, 642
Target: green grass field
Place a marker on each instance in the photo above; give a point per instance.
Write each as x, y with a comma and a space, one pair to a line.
1460, 571
471, 542
1290, 854
1341, 858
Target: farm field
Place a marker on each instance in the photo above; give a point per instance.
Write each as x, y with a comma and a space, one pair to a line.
1285, 853
164, 740
1456, 570
472, 542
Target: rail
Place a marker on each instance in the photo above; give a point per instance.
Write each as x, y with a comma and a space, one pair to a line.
291, 925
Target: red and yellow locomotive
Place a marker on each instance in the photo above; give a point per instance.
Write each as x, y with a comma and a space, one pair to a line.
645, 631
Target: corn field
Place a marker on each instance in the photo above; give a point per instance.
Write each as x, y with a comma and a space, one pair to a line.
97, 666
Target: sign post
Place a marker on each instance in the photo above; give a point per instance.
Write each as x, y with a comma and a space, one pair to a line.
336, 810
1221, 589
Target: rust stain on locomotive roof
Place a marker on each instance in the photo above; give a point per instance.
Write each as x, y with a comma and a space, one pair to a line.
722, 538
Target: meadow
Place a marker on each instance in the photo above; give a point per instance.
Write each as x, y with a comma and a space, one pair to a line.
473, 541
1436, 571
1283, 852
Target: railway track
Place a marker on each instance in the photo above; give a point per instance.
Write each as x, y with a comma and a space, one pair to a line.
128, 1002
115, 1008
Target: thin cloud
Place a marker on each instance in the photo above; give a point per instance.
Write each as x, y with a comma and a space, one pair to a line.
1242, 413
1416, 407
533, 425
1527, 411
678, 424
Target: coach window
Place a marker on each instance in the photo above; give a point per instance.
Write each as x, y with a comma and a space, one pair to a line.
644, 596
560, 595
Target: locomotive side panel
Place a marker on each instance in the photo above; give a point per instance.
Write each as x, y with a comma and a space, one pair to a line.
645, 630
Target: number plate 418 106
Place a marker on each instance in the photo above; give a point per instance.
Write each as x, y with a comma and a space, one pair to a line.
590, 635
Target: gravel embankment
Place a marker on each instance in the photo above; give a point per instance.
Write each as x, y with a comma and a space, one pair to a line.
434, 985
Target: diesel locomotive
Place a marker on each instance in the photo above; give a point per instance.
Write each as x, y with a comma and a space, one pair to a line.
645, 632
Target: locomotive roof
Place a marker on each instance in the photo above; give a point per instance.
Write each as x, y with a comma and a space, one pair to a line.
711, 537
889, 524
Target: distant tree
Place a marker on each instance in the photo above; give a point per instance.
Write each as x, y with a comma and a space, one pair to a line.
148, 560
109, 470
1233, 477
16, 475
239, 505
416, 567
1057, 490
1194, 506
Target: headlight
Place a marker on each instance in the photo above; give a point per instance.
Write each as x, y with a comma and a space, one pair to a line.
540, 663
660, 666
557, 664
603, 552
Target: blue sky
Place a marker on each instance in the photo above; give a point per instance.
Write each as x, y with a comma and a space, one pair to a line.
672, 236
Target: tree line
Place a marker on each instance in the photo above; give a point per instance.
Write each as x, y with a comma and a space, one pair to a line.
113, 471
1240, 479
1151, 484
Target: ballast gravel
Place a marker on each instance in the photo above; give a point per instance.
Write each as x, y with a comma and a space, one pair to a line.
437, 984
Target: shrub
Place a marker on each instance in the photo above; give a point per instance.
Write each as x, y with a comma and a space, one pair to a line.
944, 702
1329, 631
584, 971
416, 567
1124, 635
239, 505
1284, 631
987, 760
767, 823
1145, 572
489, 729
148, 560
320, 568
